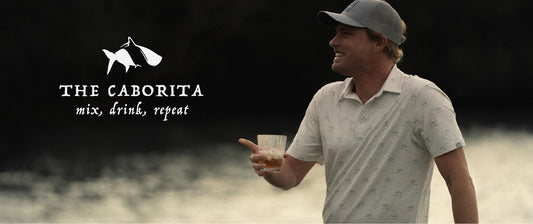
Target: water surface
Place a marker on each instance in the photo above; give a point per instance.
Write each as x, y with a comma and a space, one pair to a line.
220, 186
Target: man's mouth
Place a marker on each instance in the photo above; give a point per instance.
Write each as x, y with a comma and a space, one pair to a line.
339, 55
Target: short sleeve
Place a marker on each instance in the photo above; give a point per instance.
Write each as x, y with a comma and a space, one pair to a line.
307, 145
437, 126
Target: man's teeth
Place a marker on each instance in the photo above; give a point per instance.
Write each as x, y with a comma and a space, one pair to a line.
339, 54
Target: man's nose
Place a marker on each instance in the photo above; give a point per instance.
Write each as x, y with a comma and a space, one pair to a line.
334, 41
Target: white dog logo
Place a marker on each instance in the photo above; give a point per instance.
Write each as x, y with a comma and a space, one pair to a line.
124, 58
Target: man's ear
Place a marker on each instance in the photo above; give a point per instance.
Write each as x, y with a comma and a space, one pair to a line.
381, 43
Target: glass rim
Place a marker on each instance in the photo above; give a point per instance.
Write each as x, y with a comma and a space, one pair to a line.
271, 135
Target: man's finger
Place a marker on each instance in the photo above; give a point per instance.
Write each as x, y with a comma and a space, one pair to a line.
257, 157
252, 146
258, 166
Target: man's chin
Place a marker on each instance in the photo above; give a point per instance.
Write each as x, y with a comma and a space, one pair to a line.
338, 69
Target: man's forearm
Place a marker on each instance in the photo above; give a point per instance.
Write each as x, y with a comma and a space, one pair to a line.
464, 203
279, 180
292, 173
285, 179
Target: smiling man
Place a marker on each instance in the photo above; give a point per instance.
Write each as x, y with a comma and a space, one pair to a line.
379, 132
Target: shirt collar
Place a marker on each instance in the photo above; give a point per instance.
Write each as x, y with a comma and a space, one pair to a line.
393, 84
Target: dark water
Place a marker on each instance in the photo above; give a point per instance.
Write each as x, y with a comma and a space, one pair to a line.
213, 182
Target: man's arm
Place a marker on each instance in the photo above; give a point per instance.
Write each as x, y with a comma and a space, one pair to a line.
453, 168
292, 170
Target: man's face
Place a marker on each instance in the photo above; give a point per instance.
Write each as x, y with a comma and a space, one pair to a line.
353, 49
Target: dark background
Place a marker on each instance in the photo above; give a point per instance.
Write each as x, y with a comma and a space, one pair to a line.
258, 63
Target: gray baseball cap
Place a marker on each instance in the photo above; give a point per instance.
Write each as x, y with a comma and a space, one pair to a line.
375, 15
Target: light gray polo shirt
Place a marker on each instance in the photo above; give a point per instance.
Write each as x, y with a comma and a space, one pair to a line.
378, 157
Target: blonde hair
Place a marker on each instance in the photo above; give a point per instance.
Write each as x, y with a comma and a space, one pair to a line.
392, 50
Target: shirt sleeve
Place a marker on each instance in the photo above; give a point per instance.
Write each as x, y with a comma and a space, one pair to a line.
437, 126
307, 145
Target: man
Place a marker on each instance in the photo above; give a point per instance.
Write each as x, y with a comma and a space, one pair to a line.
379, 132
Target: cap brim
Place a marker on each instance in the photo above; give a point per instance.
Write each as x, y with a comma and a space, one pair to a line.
332, 19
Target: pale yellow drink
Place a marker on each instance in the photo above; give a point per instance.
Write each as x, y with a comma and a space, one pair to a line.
273, 146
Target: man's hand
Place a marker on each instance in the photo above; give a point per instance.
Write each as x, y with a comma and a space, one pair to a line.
292, 170
256, 158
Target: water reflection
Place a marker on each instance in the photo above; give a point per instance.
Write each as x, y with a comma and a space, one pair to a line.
221, 187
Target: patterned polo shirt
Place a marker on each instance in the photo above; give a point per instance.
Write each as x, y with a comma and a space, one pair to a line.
378, 157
